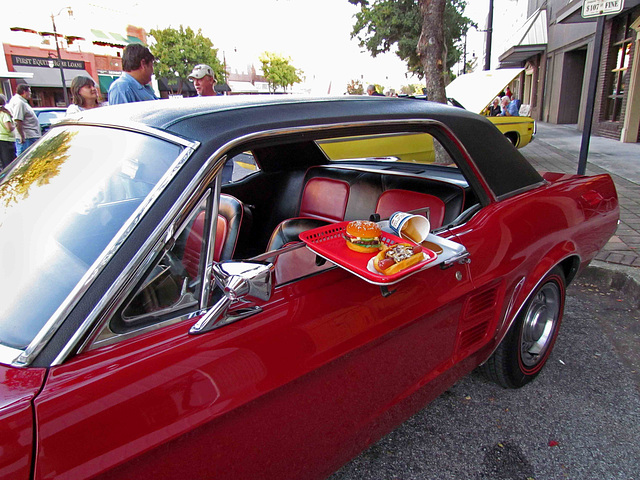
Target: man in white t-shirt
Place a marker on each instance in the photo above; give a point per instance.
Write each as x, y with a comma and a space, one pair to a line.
27, 125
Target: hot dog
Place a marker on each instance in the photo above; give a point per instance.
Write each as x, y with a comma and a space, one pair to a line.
397, 257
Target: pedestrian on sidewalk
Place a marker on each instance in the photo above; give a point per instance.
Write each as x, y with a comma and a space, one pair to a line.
84, 94
204, 80
27, 125
7, 139
133, 84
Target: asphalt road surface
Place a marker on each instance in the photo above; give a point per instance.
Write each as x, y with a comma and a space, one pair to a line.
580, 419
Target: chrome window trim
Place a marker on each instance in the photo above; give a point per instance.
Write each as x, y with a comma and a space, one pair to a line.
27, 355
198, 184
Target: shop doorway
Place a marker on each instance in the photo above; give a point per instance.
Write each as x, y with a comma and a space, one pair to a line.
573, 72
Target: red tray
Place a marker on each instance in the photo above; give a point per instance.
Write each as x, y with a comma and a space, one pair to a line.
329, 243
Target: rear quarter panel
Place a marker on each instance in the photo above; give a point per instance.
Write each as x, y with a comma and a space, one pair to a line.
521, 238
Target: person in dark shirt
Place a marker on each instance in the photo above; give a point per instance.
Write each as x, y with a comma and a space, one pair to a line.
495, 109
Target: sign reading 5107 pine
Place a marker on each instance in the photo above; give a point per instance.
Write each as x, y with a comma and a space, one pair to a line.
596, 8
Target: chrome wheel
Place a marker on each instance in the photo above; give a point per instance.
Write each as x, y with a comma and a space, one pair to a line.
540, 323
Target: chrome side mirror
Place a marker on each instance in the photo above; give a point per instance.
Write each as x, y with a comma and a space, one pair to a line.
250, 280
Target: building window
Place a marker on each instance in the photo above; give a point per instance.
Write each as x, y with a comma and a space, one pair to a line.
620, 53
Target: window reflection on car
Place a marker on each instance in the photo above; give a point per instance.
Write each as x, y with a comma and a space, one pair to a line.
53, 243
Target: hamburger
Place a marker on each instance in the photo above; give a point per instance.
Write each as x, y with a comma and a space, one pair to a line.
397, 257
363, 236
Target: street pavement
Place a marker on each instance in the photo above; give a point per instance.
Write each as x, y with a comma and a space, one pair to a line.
556, 148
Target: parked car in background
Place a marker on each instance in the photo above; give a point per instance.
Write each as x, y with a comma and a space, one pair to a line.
475, 91
157, 322
48, 116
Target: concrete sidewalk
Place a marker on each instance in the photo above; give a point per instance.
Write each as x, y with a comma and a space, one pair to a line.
556, 148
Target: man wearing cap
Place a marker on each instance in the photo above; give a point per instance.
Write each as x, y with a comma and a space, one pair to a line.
204, 80
133, 84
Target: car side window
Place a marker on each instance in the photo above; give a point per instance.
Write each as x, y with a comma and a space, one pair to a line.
173, 284
238, 167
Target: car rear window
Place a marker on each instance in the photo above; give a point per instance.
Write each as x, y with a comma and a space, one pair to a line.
61, 204
405, 147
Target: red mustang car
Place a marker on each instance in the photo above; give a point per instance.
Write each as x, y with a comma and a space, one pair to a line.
177, 299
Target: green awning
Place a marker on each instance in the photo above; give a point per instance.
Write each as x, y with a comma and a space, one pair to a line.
108, 39
119, 38
134, 40
100, 34
106, 81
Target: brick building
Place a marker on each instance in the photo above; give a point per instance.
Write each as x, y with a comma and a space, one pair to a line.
557, 67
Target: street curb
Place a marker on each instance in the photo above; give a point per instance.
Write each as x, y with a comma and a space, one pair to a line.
614, 277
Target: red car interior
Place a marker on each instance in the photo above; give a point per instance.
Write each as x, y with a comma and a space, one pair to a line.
230, 216
333, 194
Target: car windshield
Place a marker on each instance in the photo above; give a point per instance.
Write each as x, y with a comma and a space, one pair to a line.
61, 204
49, 117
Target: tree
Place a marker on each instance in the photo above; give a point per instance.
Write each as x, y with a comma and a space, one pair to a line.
381, 24
431, 48
355, 87
178, 51
413, 89
278, 71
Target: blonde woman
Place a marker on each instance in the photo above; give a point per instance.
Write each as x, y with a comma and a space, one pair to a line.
7, 138
84, 94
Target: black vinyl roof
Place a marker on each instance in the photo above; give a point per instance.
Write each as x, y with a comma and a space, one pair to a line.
214, 121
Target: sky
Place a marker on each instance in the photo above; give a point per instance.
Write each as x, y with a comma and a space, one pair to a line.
314, 34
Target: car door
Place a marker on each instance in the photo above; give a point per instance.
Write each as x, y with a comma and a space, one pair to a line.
326, 366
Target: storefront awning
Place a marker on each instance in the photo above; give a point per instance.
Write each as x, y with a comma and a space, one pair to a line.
517, 55
242, 87
527, 41
132, 39
172, 85
4, 74
221, 88
50, 77
108, 39
105, 82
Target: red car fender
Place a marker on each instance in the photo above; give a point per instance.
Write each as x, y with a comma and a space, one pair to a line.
564, 254
18, 387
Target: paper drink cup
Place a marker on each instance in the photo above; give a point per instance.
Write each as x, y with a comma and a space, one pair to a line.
414, 227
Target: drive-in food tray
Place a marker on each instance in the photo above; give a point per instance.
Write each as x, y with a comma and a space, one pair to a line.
328, 242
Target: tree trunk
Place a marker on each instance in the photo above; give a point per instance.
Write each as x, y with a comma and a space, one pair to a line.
431, 49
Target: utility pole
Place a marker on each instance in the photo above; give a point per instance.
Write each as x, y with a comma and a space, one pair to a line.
464, 57
591, 96
55, 36
487, 58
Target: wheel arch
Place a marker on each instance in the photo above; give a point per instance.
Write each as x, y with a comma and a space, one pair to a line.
514, 138
565, 257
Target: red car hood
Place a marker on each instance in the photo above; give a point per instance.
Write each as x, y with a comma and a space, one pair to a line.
18, 387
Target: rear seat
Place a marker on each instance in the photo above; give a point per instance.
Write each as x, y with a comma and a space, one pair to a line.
362, 193
334, 194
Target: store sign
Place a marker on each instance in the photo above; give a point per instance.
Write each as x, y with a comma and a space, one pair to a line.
47, 62
597, 8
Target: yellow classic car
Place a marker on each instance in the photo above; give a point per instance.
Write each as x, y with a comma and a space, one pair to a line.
475, 92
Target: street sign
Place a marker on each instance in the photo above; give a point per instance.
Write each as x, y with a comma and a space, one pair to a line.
597, 8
